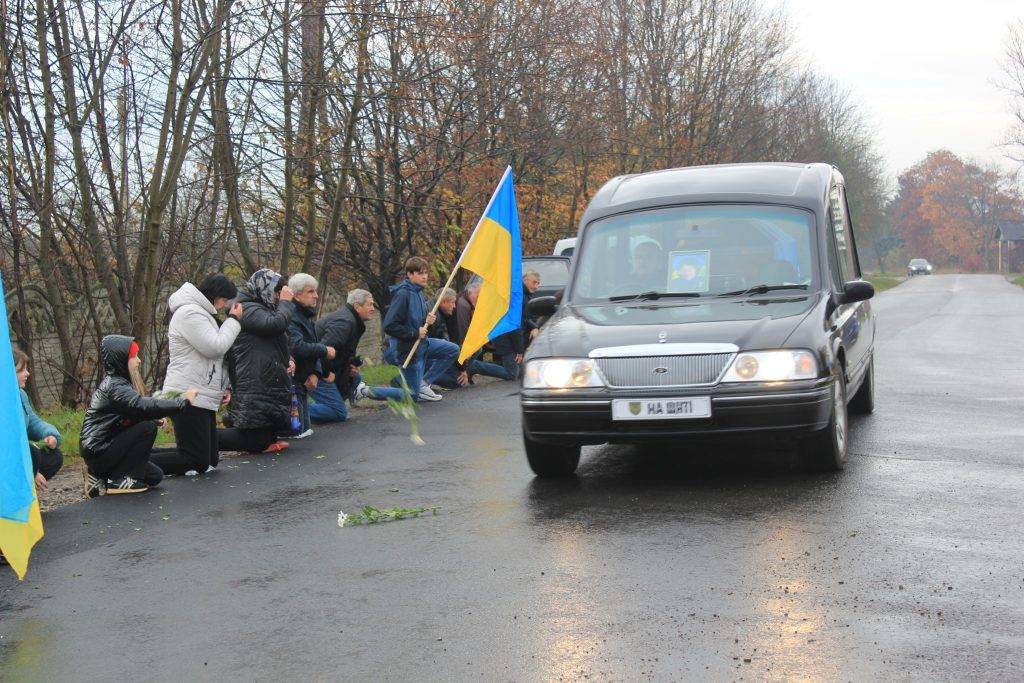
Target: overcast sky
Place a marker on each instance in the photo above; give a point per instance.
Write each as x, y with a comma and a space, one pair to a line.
925, 72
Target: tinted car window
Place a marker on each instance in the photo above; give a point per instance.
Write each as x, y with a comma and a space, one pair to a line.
553, 272
703, 250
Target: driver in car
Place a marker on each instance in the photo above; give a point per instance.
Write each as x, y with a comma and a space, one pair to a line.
649, 268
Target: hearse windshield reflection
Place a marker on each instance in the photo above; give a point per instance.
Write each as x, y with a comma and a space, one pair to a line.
695, 251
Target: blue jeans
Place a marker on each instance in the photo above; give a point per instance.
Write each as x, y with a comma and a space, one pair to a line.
511, 367
474, 366
329, 405
434, 357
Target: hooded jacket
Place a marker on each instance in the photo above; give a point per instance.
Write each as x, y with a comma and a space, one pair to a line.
309, 354
197, 347
115, 404
406, 315
342, 329
258, 360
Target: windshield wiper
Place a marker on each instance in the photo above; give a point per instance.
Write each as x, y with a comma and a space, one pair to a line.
761, 289
646, 296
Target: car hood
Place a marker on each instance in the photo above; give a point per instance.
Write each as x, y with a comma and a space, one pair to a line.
755, 323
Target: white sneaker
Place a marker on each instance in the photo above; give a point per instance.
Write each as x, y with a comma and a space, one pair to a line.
303, 435
191, 473
211, 468
427, 395
427, 389
362, 391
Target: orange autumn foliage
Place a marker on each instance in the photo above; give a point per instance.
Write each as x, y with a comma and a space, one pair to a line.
946, 210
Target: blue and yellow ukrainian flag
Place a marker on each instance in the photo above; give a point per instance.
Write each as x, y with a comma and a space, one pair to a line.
495, 253
20, 523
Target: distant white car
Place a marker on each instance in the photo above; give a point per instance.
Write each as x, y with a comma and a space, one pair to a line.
565, 247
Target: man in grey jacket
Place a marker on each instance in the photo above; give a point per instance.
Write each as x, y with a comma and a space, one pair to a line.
197, 346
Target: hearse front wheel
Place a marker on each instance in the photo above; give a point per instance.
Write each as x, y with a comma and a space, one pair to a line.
826, 450
551, 460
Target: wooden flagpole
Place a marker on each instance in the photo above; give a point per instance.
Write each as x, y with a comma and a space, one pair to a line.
455, 268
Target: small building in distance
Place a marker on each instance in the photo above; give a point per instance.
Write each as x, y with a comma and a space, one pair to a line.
1010, 236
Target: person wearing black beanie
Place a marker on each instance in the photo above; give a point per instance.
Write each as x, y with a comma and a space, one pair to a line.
218, 286
197, 343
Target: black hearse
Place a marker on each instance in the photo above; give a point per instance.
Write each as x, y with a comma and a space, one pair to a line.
705, 301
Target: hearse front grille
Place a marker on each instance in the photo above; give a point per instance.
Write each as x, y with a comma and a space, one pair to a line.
664, 371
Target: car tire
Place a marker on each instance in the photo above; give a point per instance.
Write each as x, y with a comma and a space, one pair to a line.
551, 460
863, 402
826, 451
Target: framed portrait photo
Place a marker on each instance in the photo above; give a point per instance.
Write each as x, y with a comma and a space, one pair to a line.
689, 271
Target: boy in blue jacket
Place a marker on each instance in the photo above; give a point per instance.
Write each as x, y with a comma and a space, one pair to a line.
407, 320
47, 458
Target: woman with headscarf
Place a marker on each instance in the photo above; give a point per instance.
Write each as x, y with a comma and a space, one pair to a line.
258, 366
197, 344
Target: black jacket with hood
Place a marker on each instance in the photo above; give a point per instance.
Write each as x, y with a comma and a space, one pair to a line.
258, 361
115, 404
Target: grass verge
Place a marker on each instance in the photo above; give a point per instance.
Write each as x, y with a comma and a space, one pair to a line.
69, 423
378, 375
1019, 280
882, 282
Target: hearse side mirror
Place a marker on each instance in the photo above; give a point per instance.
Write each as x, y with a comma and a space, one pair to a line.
857, 290
543, 306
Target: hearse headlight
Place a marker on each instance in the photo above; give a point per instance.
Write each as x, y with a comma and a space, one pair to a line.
772, 366
561, 373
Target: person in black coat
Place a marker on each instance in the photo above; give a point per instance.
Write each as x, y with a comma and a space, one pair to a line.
118, 431
258, 364
311, 357
531, 325
343, 329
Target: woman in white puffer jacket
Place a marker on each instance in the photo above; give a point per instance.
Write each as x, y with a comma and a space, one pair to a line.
197, 347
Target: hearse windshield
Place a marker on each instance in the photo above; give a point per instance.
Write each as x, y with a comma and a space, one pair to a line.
695, 251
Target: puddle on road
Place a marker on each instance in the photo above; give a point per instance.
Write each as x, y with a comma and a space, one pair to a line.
26, 650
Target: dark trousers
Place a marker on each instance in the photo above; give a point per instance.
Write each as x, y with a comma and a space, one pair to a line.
195, 433
303, 396
127, 455
246, 440
46, 461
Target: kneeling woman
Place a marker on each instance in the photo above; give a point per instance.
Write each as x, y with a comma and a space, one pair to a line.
118, 431
197, 346
258, 366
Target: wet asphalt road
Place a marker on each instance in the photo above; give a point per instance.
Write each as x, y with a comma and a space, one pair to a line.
652, 564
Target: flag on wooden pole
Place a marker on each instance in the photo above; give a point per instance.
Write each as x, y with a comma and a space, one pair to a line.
495, 253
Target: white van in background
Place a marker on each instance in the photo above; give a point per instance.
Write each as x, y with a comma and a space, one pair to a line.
565, 247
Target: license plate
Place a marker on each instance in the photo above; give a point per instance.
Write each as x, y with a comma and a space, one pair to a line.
693, 407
